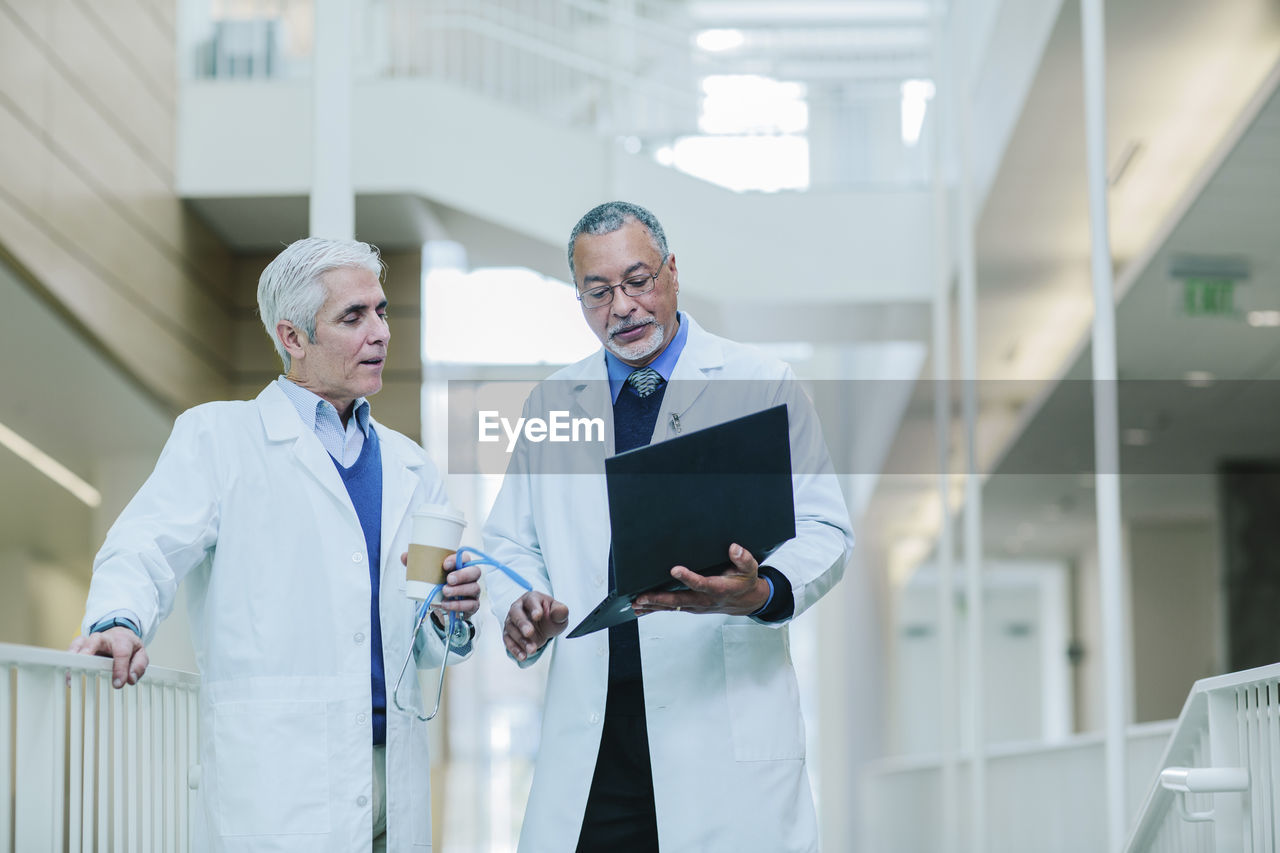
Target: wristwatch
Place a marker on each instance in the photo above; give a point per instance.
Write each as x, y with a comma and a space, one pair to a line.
116, 622
463, 632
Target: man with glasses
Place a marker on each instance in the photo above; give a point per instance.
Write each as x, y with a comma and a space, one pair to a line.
681, 730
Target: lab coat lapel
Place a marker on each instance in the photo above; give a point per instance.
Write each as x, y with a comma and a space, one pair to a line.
701, 355
590, 393
281, 423
400, 480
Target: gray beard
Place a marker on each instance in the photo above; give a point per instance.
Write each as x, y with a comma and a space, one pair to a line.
641, 349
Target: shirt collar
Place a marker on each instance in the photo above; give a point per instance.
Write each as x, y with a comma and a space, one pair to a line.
308, 404
665, 363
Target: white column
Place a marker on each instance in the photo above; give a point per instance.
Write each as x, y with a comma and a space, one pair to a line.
1106, 425
333, 210
968, 328
948, 660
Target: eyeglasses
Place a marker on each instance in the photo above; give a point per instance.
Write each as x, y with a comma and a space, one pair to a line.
599, 297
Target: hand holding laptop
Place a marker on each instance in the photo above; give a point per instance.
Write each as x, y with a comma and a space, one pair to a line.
737, 592
534, 619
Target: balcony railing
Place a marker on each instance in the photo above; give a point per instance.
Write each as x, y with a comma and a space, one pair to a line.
91, 768
625, 71
1219, 777
1044, 797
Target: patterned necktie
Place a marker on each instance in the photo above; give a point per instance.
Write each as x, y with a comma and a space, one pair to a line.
644, 381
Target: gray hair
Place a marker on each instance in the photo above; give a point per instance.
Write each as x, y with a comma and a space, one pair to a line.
291, 287
609, 217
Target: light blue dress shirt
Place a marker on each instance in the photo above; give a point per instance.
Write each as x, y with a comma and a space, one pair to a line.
343, 443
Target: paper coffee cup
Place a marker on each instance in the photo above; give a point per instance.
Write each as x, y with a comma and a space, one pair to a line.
437, 533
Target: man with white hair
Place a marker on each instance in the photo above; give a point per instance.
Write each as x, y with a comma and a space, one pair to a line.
287, 519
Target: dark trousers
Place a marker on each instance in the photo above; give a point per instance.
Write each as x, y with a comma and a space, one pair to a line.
620, 815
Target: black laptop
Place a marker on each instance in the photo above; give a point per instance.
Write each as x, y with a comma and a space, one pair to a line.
684, 501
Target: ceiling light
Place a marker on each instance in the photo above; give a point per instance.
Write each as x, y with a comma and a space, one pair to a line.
1199, 378
916, 95
50, 467
1264, 318
718, 41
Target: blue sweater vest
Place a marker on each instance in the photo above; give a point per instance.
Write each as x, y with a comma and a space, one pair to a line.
364, 484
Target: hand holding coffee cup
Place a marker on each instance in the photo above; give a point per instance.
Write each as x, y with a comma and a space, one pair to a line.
437, 533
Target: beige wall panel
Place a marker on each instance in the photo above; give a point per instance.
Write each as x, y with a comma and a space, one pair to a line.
24, 170
79, 47
81, 133
405, 353
134, 33
132, 264
163, 13
245, 270
399, 406
153, 352
23, 69
32, 18
403, 287
136, 195
201, 245
254, 357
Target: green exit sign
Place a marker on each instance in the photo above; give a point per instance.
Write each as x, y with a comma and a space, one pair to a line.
1209, 297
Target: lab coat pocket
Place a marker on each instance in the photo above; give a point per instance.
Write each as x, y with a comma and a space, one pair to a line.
272, 764
763, 697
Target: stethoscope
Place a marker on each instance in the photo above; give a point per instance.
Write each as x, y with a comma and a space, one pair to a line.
454, 630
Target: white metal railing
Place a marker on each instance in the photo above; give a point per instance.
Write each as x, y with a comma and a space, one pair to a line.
91, 768
1046, 797
625, 70
617, 69
1219, 777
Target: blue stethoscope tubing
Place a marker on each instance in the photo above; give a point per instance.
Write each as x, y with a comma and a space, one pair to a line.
455, 626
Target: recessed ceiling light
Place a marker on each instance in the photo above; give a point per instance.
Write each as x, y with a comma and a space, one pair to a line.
50, 467
718, 41
1264, 318
1199, 378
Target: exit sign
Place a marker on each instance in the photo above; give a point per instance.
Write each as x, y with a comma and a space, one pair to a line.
1208, 297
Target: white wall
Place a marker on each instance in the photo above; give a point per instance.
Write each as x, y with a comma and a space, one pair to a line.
1176, 605
1028, 690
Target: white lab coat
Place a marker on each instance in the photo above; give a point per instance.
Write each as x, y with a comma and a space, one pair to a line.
726, 738
247, 510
